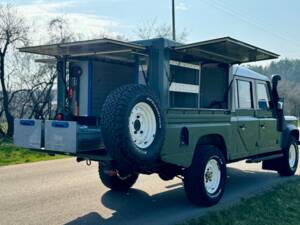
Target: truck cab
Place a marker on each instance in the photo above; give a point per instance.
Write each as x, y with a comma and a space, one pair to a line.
158, 106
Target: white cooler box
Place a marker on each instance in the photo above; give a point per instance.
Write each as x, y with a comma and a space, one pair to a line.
70, 137
28, 133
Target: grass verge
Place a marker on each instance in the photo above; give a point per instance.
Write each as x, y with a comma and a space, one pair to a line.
280, 206
9, 155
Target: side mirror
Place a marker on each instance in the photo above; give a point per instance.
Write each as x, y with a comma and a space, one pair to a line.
263, 104
280, 104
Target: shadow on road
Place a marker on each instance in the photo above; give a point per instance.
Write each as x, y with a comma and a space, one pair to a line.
137, 207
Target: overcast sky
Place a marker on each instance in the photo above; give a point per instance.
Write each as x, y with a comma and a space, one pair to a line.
270, 24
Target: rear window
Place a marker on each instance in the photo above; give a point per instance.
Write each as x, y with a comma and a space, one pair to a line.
244, 93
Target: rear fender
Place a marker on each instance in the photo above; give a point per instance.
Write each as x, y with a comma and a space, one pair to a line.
290, 129
216, 140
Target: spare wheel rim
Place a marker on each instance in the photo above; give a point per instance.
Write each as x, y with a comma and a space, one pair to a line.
292, 156
142, 125
212, 176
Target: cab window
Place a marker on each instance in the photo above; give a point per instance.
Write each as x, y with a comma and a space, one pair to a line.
244, 94
263, 97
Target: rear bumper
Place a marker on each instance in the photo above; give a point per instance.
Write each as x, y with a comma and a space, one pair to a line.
59, 137
99, 155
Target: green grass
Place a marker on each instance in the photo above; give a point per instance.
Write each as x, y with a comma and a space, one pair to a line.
9, 155
280, 206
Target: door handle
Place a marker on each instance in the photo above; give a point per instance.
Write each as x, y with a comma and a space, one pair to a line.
262, 126
243, 127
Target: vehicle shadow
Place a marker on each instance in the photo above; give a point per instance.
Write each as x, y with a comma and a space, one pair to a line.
135, 206
138, 207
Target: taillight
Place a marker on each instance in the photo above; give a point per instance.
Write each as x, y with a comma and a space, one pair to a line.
70, 93
60, 116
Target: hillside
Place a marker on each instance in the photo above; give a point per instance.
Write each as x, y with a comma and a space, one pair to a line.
289, 87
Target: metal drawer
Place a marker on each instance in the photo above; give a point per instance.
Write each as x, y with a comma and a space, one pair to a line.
28, 133
70, 137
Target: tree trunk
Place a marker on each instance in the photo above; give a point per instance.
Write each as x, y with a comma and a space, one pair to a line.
5, 103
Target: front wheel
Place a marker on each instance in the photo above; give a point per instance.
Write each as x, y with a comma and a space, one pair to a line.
288, 164
112, 179
204, 180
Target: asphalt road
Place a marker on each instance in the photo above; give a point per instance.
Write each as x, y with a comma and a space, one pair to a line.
65, 192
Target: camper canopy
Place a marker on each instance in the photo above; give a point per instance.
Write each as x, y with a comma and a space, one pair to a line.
99, 47
227, 50
224, 50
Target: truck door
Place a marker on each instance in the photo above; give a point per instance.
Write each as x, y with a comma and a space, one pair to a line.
247, 123
268, 134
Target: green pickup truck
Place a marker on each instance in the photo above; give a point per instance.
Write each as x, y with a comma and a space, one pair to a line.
158, 106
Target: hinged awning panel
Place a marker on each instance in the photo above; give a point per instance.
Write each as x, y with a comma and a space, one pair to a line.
227, 50
85, 48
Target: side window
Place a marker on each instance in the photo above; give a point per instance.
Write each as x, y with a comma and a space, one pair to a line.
244, 94
263, 98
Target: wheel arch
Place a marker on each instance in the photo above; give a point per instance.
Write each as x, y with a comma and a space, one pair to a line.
295, 133
291, 130
213, 139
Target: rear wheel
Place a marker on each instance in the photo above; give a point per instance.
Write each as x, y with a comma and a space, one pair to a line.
204, 180
289, 162
116, 182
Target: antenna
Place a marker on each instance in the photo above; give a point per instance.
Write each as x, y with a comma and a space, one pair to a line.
173, 20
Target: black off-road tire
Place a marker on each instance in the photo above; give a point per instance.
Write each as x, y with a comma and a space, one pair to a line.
114, 181
284, 168
194, 183
115, 129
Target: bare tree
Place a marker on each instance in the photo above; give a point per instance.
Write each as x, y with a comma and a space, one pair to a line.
38, 96
13, 31
59, 30
34, 83
152, 29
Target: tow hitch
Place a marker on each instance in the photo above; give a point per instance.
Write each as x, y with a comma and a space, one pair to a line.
87, 161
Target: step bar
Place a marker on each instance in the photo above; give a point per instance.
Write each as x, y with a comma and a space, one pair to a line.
263, 158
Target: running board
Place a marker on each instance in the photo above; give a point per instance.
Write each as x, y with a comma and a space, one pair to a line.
263, 158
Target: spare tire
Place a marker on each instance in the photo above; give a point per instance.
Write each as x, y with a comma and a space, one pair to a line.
133, 126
